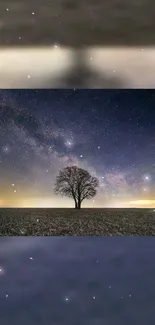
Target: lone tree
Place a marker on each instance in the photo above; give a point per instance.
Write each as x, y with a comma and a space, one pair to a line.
76, 183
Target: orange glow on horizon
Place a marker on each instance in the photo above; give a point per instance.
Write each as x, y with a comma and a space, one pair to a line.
143, 203
67, 203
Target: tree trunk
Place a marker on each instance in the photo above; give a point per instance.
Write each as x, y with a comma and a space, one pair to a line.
79, 205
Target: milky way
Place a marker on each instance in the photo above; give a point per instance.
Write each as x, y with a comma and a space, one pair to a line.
109, 133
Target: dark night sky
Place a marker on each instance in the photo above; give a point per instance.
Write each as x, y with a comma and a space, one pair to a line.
81, 280
109, 133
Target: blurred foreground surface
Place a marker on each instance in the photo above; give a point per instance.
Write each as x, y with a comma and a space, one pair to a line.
77, 44
76, 23
59, 67
92, 281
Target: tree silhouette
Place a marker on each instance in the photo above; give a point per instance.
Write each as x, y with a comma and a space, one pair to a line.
76, 183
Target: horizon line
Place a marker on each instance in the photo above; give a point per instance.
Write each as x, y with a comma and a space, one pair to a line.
56, 207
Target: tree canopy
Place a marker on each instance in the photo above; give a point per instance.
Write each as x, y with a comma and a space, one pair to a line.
76, 183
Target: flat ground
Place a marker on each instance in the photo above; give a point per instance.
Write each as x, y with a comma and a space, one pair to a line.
77, 23
70, 222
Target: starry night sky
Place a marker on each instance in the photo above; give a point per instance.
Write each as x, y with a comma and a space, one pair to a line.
109, 133
80, 280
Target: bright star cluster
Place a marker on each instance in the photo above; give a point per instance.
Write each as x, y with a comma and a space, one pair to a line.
109, 133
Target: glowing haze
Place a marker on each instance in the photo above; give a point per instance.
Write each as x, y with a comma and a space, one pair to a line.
109, 133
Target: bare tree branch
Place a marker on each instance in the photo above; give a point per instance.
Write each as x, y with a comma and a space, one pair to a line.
76, 183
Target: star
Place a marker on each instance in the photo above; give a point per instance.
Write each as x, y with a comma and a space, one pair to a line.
147, 177
1, 271
69, 143
6, 149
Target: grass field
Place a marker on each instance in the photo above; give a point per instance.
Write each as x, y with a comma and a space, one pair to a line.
86, 222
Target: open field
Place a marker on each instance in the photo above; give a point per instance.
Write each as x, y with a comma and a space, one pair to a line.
70, 222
